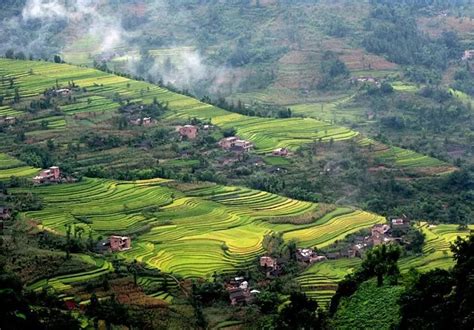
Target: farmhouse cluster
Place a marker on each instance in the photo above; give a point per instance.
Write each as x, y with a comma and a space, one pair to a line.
273, 267
143, 121
392, 232
240, 291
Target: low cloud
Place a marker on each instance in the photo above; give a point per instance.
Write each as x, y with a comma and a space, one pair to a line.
83, 17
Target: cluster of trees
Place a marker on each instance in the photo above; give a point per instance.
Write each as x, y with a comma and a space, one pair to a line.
392, 31
96, 141
36, 156
255, 109
380, 262
464, 79
442, 299
332, 70
437, 299
21, 309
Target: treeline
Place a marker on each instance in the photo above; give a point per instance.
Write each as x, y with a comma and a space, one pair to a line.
253, 110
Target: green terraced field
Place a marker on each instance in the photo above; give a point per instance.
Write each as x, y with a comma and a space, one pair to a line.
407, 159
192, 233
32, 78
90, 104
64, 282
10, 166
9, 112
320, 280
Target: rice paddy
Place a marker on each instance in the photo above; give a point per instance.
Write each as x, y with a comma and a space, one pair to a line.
32, 78
320, 280
10, 166
190, 233
407, 158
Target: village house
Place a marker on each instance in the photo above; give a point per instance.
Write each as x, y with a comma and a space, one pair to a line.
62, 92
308, 256
146, 121
7, 120
239, 296
239, 291
233, 143
268, 262
115, 243
401, 223
368, 80
188, 131
355, 251
51, 175
468, 55
378, 233
120, 243
280, 152
227, 143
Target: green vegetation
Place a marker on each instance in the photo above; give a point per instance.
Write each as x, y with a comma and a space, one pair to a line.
10, 166
183, 232
373, 100
320, 280
370, 307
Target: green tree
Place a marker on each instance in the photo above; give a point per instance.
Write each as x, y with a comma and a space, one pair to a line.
300, 313
10, 54
442, 299
381, 261
267, 301
16, 97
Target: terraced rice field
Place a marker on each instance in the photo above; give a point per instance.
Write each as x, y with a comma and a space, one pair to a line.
436, 252
189, 233
410, 160
330, 109
10, 166
54, 122
6, 111
64, 282
320, 280
406, 159
32, 78
159, 287
90, 104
